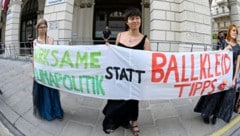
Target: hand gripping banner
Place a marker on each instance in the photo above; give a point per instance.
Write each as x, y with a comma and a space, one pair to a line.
112, 72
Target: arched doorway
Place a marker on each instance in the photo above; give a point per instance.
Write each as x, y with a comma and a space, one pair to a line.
28, 20
109, 12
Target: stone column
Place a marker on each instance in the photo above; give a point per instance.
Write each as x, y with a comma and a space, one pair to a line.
234, 13
86, 8
195, 25
12, 26
146, 17
60, 16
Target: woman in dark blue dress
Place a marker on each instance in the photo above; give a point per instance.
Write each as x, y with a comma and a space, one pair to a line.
46, 100
125, 112
221, 105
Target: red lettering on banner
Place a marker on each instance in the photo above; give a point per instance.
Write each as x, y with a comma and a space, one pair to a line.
196, 86
203, 60
184, 79
181, 86
206, 85
157, 69
172, 67
217, 73
192, 69
226, 67
209, 68
163, 67
212, 86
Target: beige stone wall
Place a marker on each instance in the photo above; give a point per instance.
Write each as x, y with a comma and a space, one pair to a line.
60, 17
235, 14
181, 21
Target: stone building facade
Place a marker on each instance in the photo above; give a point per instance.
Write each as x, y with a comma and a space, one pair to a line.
224, 13
171, 25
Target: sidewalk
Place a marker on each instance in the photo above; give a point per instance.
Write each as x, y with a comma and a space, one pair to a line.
4, 131
83, 115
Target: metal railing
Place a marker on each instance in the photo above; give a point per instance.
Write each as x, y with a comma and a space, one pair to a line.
18, 50
23, 50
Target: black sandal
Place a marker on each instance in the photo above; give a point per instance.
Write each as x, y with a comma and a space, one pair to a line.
108, 131
135, 130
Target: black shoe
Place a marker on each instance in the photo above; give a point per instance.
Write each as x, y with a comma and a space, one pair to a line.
126, 126
109, 126
205, 120
214, 120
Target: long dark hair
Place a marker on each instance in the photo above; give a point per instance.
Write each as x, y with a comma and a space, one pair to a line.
132, 11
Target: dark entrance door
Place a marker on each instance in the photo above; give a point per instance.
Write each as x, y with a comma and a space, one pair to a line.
28, 23
109, 12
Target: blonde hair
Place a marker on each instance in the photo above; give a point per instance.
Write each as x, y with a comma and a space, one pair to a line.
41, 21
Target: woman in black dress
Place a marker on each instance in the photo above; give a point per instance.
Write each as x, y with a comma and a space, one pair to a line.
125, 112
221, 105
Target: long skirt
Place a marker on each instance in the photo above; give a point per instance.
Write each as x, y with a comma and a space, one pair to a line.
120, 113
46, 102
219, 104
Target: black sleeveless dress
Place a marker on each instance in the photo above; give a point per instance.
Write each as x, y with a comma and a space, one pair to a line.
121, 112
219, 104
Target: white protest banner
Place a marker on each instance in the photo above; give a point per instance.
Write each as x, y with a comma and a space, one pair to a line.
111, 72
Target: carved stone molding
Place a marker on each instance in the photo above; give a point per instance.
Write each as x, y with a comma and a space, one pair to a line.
146, 3
86, 3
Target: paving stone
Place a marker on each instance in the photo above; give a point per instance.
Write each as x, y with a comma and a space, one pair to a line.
163, 110
53, 127
28, 116
13, 86
186, 112
76, 129
26, 128
92, 103
83, 115
144, 105
171, 127
8, 112
195, 126
4, 131
145, 118
70, 101
17, 97
23, 105
180, 102
157, 101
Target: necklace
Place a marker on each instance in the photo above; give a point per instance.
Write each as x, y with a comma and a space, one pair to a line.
132, 39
